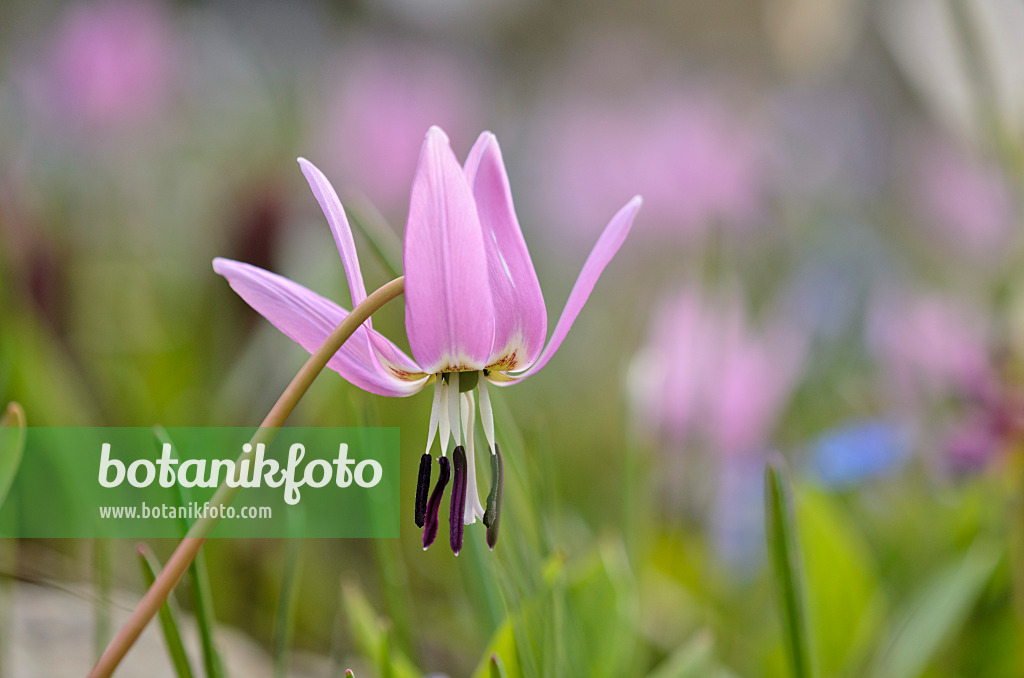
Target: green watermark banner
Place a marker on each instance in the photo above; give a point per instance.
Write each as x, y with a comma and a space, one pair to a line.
143, 483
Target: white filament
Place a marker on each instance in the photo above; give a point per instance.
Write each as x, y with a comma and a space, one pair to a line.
454, 410
435, 410
442, 416
486, 413
474, 509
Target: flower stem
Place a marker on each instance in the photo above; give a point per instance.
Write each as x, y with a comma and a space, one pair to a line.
193, 541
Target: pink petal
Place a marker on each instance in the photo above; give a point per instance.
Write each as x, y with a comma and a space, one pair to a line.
607, 245
520, 319
449, 313
308, 319
335, 213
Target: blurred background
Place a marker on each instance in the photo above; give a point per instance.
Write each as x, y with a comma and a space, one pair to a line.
827, 265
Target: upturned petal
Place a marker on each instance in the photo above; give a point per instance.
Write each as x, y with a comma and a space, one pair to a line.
607, 245
384, 350
340, 229
449, 312
520, 319
308, 319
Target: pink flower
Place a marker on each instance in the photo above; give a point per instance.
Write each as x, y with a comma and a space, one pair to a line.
973, 443
938, 362
110, 63
705, 372
963, 200
698, 165
383, 97
930, 345
474, 312
706, 376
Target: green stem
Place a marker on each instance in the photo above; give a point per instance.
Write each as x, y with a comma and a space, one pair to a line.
193, 541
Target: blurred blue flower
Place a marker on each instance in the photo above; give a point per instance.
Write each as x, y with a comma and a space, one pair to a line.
858, 452
737, 528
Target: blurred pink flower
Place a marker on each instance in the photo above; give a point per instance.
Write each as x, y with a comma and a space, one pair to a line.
989, 426
938, 360
962, 199
383, 97
972, 443
698, 164
109, 63
706, 373
930, 345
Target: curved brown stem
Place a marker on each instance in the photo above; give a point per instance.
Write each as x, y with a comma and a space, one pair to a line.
186, 551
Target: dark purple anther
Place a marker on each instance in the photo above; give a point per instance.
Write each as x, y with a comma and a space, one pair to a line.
458, 500
492, 513
423, 488
434, 505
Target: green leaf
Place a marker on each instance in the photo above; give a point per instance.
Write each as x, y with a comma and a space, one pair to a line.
784, 552
936, 611
167, 615
476, 565
497, 668
692, 659
502, 644
12, 446
845, 603
38, 369
601, 601
371, 634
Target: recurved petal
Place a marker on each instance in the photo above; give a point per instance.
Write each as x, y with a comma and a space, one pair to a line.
335, 213
308, 319
449, 312
520, 319
607, 245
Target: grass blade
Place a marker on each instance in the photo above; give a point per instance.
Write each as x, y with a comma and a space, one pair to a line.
12, 446
936, 611
287, 605
391, 566
168, 617
202, 601
784, 552
103, 580
202, 598
497, 668
365, 216
692, 659
336, 654
370, 633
